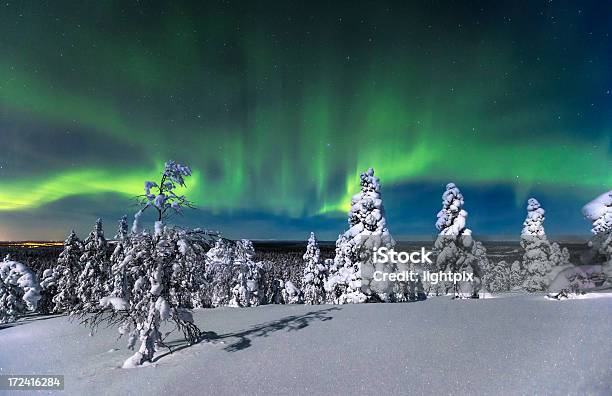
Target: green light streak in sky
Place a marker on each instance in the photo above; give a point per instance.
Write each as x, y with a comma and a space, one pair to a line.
284, 124
34, 193
292, 173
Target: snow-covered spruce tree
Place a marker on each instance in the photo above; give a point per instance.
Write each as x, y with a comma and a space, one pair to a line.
119, 286
66, 275
596, 267
220, 272
249, 277
153, 261
94, 279
454, 249
478, 263
189, 271
368, 231
599, 212
536, 259
48, 286
449, 249
498, 278
340, 272
559, 256
314, 273
517, 276
258, 271
19, 290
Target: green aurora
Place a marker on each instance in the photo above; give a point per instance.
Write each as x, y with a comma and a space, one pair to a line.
278, 109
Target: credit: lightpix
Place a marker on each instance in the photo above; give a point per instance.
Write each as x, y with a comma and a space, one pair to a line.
431, 277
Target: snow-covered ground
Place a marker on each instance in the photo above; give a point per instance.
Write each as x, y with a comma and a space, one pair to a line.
513, 345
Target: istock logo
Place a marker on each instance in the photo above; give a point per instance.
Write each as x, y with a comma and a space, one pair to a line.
384, 255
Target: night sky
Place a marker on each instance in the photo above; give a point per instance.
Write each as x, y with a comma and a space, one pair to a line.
277, 107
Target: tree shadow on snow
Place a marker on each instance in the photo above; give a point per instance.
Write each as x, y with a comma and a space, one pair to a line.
289, 323
29, 319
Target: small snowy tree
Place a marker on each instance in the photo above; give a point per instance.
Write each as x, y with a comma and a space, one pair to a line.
291, 293
340, 271
249, 276
517, 276
19, 290
559, 256
94, 279
220, 272
155, 294
599, 212
478, 263
454, 249
66, 275
120, 274
189, 270
314, 273
536, 259
48, 286
498, 278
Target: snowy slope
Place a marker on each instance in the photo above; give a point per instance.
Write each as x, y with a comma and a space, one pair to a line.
513, 345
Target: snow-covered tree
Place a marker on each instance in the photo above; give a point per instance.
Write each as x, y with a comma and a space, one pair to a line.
599, 212
276, 296
19, 290
559, 256
314, 273
534, 222
454, 249
94, 279
291, 293
454, 237
536, 259
155, 294
452, 218
157, 264
120, 273
66, 275
478, 263
517, 275
189, 270
162, 196
249, 276
596, 267
220, 272
498, 278
339, 272
368, 231
48, 286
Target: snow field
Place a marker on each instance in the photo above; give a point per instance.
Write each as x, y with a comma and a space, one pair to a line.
504, 346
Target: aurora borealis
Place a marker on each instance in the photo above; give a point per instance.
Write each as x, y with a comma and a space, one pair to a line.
277, 107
